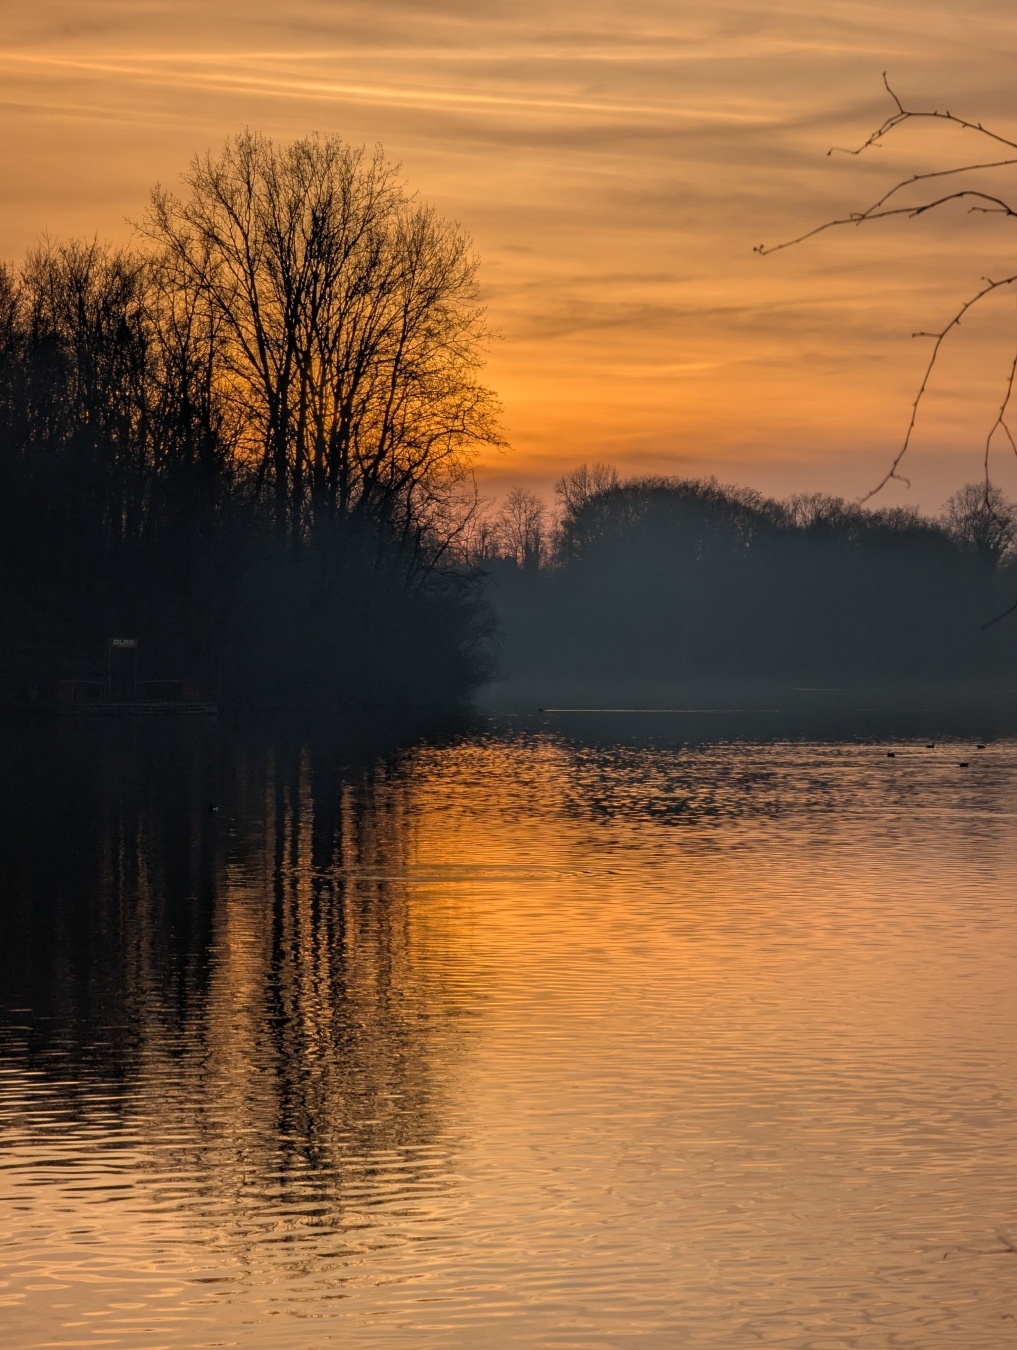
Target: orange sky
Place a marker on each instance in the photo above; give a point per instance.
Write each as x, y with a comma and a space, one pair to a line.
615, 163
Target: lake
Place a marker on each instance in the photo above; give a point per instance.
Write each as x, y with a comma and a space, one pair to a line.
575, 1030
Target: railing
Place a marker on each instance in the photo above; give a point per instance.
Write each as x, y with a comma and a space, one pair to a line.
72, 692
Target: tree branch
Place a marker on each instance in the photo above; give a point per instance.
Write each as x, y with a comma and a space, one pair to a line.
985, 202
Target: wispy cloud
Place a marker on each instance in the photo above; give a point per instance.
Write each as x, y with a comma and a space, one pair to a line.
615, 162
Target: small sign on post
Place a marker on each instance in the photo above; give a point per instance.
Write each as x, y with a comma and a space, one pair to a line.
122, 670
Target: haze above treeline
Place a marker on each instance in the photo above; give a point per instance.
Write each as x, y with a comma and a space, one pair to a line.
247, 442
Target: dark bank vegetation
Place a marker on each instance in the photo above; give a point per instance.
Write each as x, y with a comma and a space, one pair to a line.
682, 579
245, 442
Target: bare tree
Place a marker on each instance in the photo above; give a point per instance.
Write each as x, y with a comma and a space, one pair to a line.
198, 431
981, 519
521, 529
575, 488
585, 495
348, 328
85, 305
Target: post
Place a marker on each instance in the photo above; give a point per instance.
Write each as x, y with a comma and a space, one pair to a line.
122, 670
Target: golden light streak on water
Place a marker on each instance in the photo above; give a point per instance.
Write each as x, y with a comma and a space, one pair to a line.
519, 1040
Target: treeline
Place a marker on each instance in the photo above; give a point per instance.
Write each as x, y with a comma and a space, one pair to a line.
671, 579
245, 441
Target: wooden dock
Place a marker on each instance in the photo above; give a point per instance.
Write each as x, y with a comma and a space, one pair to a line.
142, 708
142, 698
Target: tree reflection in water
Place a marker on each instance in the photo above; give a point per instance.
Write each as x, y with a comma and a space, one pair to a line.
528, 1036
255, 971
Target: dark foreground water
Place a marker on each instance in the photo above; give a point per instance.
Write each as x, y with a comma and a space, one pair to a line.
562, 1036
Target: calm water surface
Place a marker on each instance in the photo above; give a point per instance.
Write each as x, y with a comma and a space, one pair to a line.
520, 1039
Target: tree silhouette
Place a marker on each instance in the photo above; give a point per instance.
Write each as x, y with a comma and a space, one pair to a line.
522, 530
350, 333
979, 517
247, 441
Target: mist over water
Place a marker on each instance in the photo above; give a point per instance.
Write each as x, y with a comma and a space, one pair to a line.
580, 1029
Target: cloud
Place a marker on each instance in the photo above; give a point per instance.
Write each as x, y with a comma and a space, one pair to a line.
615, 163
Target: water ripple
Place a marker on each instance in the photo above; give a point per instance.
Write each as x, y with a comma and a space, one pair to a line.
514, 1041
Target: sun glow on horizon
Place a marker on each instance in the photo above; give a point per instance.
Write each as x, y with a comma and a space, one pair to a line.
615, 168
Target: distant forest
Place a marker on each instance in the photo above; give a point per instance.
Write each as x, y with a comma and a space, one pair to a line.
244, 444
672, 579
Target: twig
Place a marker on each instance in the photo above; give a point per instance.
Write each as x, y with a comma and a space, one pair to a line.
1000, 422
997, 207
909, 114
997, 618
984, 203
939, 339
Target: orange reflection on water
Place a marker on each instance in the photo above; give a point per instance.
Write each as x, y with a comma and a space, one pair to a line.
520, 1040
